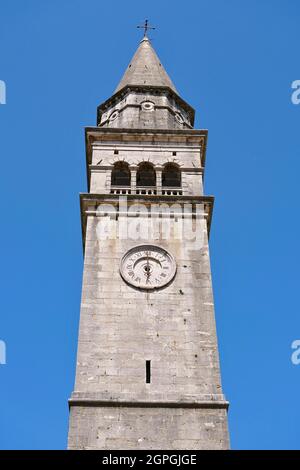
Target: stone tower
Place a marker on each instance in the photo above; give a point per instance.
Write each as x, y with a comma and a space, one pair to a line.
147, 372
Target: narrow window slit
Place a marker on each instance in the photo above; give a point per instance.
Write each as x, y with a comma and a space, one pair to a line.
148, 372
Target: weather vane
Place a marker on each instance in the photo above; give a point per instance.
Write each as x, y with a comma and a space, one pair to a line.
145, 27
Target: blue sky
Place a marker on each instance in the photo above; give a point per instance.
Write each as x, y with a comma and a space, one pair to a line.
234, 62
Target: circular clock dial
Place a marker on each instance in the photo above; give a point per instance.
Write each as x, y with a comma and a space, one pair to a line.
148, 267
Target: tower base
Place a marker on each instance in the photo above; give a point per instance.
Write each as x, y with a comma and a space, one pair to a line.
114, 425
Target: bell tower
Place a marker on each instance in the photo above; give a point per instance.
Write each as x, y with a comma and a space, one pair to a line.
147, 374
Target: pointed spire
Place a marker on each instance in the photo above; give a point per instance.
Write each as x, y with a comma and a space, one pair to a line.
145, 68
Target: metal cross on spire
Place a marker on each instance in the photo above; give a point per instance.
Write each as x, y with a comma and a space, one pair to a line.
145, 27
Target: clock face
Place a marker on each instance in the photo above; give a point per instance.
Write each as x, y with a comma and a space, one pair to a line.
148, 267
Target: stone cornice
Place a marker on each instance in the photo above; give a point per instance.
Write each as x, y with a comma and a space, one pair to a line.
201, 401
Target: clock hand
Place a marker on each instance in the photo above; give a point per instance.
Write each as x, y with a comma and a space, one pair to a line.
148, 268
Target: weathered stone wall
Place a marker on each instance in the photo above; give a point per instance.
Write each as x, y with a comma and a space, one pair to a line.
147, 428
121, 328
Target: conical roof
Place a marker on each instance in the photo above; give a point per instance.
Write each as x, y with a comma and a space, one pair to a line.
145, 68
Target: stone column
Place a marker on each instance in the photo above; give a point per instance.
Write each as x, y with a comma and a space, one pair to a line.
133, 171
158, 180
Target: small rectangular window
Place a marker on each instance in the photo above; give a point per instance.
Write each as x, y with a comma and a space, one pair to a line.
148, 372
174, 154
116, 152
